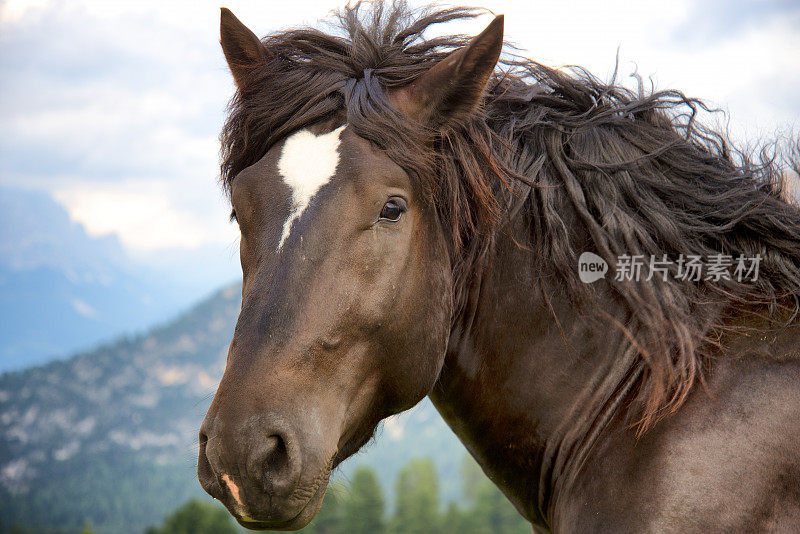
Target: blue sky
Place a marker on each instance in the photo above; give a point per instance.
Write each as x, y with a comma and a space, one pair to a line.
114, 108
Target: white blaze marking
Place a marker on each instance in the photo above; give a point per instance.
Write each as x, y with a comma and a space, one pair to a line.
307, 163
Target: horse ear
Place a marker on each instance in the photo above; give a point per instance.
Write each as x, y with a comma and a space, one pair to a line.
453, 88
242, 49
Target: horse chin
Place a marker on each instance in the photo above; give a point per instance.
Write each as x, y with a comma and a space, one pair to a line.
300, 520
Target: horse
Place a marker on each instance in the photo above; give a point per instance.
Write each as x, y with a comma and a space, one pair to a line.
435, 217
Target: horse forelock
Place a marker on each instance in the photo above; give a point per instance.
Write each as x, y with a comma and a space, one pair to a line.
636, 169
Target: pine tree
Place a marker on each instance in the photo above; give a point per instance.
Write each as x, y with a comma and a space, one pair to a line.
417, 494
197, 517
489, 512
329, 518
454, 521
364, 504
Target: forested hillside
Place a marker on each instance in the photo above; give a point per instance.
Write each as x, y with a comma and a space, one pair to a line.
110, 436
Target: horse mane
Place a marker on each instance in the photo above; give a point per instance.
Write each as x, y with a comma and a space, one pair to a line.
636, 170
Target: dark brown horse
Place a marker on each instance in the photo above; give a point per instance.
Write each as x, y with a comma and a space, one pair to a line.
413, 221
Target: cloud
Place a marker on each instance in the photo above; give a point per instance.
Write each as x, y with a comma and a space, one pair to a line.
84, 309
115, 107
721, 20
143, 215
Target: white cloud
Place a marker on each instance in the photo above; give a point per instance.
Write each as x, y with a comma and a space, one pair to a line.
12, 11
116, 106
143, 215
740, 72
84, 308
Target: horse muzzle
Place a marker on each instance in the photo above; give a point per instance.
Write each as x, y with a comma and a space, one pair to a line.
261, 474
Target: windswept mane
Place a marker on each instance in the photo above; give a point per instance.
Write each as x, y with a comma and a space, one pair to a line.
591, 166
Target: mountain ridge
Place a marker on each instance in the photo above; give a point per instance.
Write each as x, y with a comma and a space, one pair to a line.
63, 290
110, 435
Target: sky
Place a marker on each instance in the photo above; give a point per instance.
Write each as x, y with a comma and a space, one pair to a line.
114, 108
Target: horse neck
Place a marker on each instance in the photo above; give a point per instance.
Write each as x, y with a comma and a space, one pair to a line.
528, 383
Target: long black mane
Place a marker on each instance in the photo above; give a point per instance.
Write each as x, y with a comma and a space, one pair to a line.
589, 165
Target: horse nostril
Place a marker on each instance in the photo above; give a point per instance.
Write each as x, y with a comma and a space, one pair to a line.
280, 468
276, 456
205, 473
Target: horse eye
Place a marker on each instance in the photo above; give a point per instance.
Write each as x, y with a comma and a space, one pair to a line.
392, 210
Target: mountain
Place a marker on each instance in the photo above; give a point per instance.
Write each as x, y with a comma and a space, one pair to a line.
62, 290
110, 435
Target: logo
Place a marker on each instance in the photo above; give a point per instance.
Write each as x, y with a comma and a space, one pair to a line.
591, 267
686, 267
